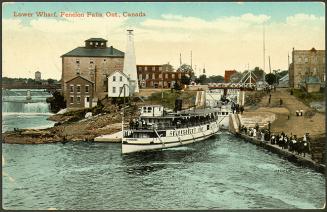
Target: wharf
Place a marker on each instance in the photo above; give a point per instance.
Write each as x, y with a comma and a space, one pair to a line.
303, 161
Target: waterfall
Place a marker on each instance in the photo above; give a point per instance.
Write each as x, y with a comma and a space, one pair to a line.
14, 101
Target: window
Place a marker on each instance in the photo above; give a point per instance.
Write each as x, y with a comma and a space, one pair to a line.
113, 89
145, 68
306, 59
78, 88
153, 76
77, 61
139, 68
71, 88
96, 43
86, 88
179, 75
87, 99
78, 100
114, 78
91, 61
160, 76
173, 76
153, 68
149, 109
121, 78
91, 43
102, 44
71, 100
160, 68
78, 70
140, 76
147, 76
166, 76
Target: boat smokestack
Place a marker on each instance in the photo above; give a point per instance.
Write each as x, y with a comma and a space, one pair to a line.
178, 104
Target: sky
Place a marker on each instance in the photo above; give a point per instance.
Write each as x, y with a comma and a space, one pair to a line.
221, 35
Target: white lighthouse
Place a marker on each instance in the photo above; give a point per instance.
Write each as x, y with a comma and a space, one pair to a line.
130, 63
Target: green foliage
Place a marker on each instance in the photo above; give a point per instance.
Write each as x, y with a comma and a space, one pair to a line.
215, 79
177, 87
270, 78
185, 68
307, 98
169, 98
185, 80
258, 72
236, 77
57, 102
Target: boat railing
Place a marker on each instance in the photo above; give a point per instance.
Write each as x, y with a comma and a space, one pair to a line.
169, 127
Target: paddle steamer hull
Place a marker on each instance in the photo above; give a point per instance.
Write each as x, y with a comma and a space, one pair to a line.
173, 138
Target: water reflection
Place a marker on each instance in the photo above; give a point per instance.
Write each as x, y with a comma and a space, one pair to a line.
147, 162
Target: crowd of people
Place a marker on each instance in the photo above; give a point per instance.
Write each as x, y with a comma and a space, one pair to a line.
292, 143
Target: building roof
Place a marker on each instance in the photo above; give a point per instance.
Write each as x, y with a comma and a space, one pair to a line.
79, 77
96, 39
122, 73
94, 52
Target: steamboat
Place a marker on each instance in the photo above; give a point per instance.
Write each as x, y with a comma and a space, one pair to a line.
158, 128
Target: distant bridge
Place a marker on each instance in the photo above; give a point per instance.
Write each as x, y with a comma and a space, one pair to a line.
49, 87
241, 86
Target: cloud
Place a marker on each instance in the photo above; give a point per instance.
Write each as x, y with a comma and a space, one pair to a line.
227, 24
221, 43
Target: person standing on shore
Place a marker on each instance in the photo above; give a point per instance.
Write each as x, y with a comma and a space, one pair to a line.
280, 102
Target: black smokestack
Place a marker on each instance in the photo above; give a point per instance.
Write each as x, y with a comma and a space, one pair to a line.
178, 104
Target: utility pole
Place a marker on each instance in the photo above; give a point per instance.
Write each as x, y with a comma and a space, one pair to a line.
264, 52
191, 61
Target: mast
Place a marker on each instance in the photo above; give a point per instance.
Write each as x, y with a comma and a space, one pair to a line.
269, 66
191, 61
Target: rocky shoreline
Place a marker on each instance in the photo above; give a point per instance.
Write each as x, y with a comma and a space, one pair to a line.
69, 128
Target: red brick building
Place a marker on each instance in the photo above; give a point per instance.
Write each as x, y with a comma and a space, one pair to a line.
228, 74
157, 76
79, 93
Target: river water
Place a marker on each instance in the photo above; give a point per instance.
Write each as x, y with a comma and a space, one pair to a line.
222, 172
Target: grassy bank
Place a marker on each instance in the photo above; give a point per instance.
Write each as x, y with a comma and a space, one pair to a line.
308, 98
169, 98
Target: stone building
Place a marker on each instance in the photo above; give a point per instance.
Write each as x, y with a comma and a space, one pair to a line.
37, 76
79, 93
117, 82
306, 63
157, 76
94, 62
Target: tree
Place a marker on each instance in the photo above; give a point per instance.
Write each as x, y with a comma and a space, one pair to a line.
216, 79
57, 102
270, 78
185, 80
258, 73
177, 87
50, 81
185, 68
202, 79
236, 77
